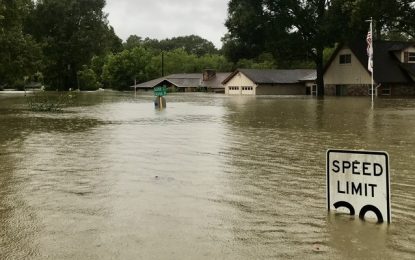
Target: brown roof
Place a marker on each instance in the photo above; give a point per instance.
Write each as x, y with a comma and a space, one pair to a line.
273, 76
216, 81
185, 80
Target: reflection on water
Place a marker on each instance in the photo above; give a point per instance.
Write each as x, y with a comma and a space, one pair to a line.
210, 177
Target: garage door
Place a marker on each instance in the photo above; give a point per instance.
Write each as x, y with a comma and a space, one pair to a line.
248, 90
234, 90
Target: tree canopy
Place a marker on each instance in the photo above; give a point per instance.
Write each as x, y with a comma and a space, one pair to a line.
71, 33
20, 54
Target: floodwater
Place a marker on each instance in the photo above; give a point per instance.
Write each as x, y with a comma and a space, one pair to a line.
210, 177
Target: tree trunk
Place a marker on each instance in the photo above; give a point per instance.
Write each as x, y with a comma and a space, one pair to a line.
319, 68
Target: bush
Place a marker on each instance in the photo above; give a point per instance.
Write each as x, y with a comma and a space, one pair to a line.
49, 102
87, 79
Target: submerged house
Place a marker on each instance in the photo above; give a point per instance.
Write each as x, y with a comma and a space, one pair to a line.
270, 82
209, 81
346, 73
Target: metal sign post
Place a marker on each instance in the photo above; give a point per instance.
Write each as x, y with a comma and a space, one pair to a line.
160, 101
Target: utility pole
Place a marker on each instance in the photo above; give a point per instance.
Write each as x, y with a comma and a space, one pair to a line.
162, 63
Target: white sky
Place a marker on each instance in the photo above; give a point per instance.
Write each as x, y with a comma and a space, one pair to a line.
160, 19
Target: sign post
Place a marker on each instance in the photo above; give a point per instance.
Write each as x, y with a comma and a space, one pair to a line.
159, 92
359, 182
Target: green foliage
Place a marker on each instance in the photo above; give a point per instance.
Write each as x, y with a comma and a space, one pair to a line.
20, 55
179, 61
191, 44
87, 79
122, 69
71, 33
390, 17
49, 102
327, 54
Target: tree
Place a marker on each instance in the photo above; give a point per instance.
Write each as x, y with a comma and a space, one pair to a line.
20, 55
71, 32
390, 17
122, 69
87, 79
191, 44
247, 28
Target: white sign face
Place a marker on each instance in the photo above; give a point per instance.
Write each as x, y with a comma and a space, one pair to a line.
358, 181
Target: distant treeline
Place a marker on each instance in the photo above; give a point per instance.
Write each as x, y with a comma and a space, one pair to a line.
69, 43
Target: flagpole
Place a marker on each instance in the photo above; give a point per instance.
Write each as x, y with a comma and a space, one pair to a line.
370, 52
373, 71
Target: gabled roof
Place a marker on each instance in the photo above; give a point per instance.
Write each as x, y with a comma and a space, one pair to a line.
310, 77
216, 81
409, 68
273, 76
186, 80
387, 68
150, 84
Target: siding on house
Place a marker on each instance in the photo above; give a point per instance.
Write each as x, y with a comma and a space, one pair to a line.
239, 80
346, 74
281, 89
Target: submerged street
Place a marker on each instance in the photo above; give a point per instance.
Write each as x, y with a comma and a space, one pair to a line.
210, 177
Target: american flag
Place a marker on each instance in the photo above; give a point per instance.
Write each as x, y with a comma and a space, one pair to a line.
370, 50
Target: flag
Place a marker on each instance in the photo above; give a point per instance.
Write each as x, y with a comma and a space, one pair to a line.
370, 50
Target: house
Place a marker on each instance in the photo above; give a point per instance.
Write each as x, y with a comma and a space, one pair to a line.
346, 73
209, 80
270, 82
175, 82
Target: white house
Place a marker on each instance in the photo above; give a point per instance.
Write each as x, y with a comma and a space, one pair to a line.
270, 82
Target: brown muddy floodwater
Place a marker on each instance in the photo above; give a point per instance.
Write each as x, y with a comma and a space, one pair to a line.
210, 177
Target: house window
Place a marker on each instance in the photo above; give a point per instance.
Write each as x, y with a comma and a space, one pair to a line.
408, 57
369, 91
386, 91
345, 59
233, 88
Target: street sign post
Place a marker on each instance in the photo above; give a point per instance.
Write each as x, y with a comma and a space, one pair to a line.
160, 101
359, 182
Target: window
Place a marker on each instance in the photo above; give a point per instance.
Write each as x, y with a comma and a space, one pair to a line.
345, 59
369, 91
411, 56
233, 88
386, 91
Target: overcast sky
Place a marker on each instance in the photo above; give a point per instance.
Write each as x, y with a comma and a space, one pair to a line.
162, 19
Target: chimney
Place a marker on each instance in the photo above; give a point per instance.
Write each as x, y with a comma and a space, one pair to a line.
208, 74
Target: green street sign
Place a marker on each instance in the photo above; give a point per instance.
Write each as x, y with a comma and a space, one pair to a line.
160, 91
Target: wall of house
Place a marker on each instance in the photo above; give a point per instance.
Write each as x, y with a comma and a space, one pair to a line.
347, 90
403, 90
346, 74
363, 90
281, 89
239, 80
